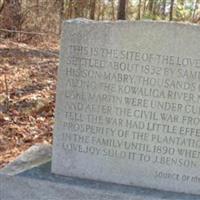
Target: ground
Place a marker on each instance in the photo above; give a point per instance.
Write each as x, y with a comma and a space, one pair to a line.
27, 94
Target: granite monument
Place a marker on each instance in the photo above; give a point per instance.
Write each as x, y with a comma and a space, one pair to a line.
128, 104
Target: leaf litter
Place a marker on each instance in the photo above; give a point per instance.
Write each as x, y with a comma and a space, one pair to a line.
27, 95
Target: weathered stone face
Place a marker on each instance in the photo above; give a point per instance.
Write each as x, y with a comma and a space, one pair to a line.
128, 104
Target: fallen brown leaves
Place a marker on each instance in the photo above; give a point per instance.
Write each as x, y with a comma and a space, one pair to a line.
27, 102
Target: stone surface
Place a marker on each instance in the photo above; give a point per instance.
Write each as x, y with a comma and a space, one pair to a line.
40, 184
127, 106
34, 156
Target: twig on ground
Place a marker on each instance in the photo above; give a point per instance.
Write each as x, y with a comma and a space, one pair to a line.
6, 91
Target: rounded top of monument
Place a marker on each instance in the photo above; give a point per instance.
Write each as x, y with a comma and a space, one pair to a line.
146, 21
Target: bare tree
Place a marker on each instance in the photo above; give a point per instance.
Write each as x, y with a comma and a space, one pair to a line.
139, 9
144, 8
92, 9
150, 6
99, 10
113, 9
163, 9
78, 8
37, 7
121, 10
70, 9
171, 10
61, 13
195, 8
81, 8
2, 3
103, 10
11, 15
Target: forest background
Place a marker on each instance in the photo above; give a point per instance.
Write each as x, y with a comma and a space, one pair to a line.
47, 15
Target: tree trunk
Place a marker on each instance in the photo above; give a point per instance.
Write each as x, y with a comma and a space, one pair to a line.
79, 8
151, 2
171, 10
163, 9
155, 8
92, 9
61, 14
99, 10
139, 10
37, 7
70, 9
103, 10
11, 15
113, 9
121, 10
144, 9
1, 6
195, 8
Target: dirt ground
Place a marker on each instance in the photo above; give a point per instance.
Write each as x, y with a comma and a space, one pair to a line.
27, 95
